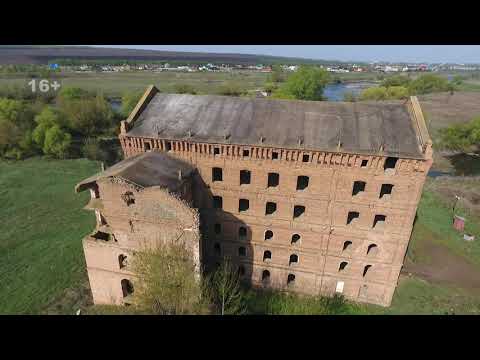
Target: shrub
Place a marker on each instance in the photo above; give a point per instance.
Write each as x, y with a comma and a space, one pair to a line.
184, 89
57, 142
129, 101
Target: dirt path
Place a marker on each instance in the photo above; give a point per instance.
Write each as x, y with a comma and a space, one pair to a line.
445, 267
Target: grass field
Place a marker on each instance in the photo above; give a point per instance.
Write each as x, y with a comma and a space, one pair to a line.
42, 226
116, 84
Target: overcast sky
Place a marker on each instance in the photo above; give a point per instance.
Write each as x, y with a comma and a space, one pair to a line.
405, 53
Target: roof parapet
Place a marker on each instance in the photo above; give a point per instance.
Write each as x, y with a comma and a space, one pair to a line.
127, 124
420, 126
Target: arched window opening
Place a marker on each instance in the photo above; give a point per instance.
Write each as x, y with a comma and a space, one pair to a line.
242, 251
267, 255
266, 276
342, 266
365, 270
127, 287
295, 239
293, 259
122, 261
372, 250
268, 235
242, 232
291, 279
347, 245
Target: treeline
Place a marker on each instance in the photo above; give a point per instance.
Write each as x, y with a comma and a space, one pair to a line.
401, 87
67, 125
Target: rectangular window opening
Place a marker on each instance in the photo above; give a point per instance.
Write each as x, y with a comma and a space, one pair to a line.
245, 177
358, 187
302, 182
243, 205
273, 179
217, 174
217, 202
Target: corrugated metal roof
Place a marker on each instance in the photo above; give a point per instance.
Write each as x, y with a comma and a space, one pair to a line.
359, 127
148, 169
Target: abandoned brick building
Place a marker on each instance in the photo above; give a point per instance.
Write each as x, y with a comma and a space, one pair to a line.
311, 197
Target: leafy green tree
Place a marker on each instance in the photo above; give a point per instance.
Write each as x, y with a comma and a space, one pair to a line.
307, 83
73, 93
45, 120
129, 101
184, 89
224, 289
166, 281
57, 142
88, 116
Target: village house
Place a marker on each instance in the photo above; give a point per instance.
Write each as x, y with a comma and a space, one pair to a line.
303, 196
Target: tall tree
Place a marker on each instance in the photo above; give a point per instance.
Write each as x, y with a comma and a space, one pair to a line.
307, 83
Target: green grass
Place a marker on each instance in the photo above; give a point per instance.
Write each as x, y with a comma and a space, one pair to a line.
115, 84
417, 297
42, 226
435, 221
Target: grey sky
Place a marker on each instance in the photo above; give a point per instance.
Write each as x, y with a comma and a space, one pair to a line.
406, 53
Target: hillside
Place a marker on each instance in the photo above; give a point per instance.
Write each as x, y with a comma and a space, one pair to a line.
12, 54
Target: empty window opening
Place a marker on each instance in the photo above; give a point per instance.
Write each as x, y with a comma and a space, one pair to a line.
273, 179
347, 245
358, 187
298, 210
363, 291
364, 163
100, 235
217, 249
267, 255
390, 163
275, 155
128, 198
386, 189
342, 266
148, 146
217, 174
246, 153
244, 177
290, 279
293, 259
168, 145
242, 251
270, 208
306, 158
243, 205
295, 239
352, 216
241, 270
266, 276
268, 235
217, 202
127, 287
216, 151
365, 270
217, 228
372, 250
379, 221
302, 182
122, 261
242, 232
94, 192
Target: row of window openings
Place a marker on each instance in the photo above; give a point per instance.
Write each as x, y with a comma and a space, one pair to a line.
298, 210
302, 182
343, 265
242, 233
266, 275
372, 249
270, 207
390, 162
267, 255
273, 178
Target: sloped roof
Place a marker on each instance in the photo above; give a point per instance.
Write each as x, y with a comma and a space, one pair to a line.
147, 169
359, 127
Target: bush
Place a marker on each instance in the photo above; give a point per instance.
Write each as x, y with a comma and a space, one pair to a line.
92, 150
396, 80
429, 83
374, 93
460, 137
184, 89
231, 89
57, 142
